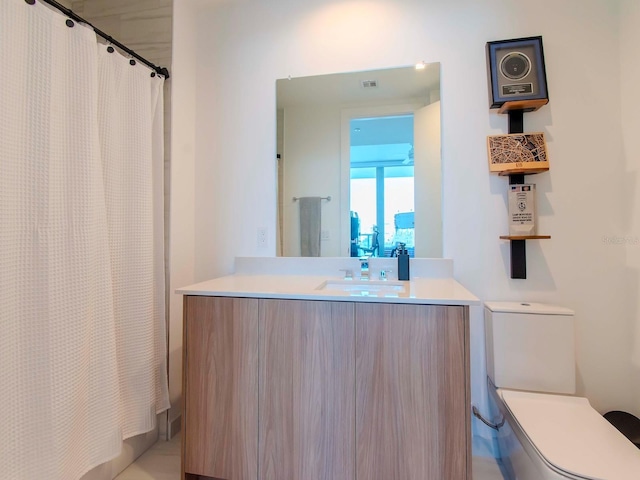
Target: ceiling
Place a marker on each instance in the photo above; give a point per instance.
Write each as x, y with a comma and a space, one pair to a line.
346, 88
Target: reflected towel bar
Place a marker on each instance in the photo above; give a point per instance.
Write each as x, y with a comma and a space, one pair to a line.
328, 199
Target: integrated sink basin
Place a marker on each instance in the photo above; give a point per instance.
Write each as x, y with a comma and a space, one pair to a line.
372, 288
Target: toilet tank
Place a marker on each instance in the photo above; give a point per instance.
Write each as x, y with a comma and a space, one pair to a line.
530, 346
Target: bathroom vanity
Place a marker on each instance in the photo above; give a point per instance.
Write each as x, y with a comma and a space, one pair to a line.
286, 377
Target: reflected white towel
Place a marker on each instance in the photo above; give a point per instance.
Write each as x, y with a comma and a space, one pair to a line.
310, 226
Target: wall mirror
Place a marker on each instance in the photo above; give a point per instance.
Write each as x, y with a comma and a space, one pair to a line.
359, 163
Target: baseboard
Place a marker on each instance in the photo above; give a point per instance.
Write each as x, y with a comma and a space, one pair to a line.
175, 426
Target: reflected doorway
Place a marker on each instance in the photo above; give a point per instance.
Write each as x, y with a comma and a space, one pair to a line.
381, 185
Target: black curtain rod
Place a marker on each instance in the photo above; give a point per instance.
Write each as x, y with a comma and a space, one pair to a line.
69, 13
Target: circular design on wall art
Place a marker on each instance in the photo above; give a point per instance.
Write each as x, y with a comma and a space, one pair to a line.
515, 65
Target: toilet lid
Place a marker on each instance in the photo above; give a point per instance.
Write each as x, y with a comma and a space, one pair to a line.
571, 436
528, 307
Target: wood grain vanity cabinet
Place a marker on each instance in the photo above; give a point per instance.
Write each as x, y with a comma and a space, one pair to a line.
411, 392
307, 406
220, 390
306, 390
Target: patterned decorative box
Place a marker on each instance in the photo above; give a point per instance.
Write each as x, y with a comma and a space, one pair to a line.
517, 153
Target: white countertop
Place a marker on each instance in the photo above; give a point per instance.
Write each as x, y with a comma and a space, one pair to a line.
432, 291
293, 278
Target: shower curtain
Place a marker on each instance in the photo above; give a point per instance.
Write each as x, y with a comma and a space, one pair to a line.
82, 312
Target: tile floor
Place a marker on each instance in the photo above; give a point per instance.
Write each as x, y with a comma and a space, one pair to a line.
485, 468
162, 462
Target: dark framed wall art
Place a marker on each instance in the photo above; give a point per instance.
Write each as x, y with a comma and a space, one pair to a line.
516, 71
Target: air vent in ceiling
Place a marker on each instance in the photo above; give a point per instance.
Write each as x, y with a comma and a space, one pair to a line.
369, 83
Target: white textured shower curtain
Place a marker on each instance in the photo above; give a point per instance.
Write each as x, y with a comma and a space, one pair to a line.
82, 326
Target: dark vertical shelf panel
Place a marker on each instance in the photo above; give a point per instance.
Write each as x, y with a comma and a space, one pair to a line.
516, 121
518, 247
516, 179
518, 259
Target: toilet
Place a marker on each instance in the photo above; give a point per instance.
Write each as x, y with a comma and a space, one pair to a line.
544, 431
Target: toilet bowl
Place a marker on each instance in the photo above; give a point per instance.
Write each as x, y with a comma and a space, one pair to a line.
547, 432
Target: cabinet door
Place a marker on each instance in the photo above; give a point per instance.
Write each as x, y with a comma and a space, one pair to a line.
411, 392
307, 404
220, 387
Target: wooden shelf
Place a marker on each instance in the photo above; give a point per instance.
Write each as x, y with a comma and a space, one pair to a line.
525, 237
523, 105
520, 171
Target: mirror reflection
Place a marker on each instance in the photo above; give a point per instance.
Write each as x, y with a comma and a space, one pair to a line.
381, 185
359, 163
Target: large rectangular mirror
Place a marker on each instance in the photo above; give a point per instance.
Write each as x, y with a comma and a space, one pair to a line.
359, 163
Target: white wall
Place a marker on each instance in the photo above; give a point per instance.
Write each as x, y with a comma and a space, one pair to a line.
184, 80
428, 174
630, 228
244, 46
312, 168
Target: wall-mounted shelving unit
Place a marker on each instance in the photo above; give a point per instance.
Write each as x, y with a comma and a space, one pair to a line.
516, 111
523, 106
524, 237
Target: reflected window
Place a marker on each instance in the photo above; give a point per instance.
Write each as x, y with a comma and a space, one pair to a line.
382, 185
